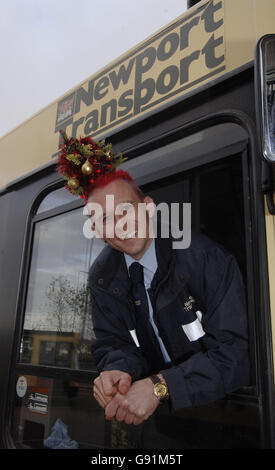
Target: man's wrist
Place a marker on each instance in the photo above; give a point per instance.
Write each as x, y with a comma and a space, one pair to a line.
160, 388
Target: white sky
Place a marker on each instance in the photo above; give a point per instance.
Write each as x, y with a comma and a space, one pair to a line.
50, 46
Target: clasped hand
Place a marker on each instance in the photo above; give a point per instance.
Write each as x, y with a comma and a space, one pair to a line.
122, 400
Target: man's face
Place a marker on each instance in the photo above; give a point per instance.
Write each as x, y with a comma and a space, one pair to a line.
121, 206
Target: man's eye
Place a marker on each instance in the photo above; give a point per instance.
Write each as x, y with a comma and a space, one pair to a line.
106, 219
127, 207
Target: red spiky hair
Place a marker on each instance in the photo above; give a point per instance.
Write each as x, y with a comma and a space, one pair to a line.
83, 161
115, 175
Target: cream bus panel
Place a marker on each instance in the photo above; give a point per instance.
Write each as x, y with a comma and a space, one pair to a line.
210, 39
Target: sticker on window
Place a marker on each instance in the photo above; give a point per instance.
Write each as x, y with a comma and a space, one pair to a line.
21, 386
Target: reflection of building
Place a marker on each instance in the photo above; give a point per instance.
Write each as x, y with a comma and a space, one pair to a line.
50, 348
34, 416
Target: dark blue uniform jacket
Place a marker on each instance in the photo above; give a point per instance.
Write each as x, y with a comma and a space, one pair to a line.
209, 350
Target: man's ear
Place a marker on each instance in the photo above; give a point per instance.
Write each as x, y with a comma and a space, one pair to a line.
99, 236
150, 206
96, 232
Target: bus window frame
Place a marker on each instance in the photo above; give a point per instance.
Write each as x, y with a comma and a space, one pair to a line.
258, 257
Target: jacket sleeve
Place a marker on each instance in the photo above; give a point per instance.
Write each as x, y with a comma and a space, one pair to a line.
113, 348
223, 366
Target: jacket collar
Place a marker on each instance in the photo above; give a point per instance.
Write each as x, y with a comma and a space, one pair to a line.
110, 272
148, 260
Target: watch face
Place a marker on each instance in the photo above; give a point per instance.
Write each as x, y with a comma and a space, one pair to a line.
160, 390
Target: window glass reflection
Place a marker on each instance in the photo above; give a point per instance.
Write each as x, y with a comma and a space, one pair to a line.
57, 413
61, 413
58, 327
56, 198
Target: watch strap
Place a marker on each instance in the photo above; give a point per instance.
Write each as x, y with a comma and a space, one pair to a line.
157, 380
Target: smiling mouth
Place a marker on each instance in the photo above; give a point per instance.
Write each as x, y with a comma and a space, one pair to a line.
127, 236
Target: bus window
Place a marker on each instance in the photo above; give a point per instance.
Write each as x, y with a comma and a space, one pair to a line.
54, 199
214, 189
57, 325
57, 413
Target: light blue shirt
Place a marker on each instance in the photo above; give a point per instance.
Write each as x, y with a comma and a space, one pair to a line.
150, 264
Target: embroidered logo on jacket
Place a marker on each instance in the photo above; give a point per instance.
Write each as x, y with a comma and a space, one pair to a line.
188, 305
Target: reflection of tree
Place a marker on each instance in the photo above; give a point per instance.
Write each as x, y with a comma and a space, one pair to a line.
69, 307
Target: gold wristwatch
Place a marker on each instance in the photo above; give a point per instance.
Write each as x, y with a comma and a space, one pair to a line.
160, 388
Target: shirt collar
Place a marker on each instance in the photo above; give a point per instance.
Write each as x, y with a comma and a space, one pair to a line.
148, 260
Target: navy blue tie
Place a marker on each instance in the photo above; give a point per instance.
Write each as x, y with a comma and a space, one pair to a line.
145, 333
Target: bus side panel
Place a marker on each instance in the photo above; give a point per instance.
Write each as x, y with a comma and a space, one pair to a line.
14, 210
